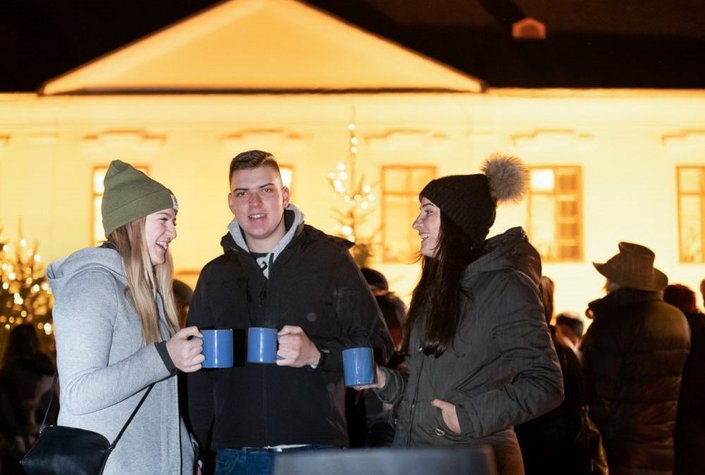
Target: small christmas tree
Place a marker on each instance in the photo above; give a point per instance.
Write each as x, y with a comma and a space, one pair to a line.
25, 296
358, 201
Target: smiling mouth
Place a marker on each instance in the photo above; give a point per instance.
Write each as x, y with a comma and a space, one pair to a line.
423, 236
257, 216
163, 244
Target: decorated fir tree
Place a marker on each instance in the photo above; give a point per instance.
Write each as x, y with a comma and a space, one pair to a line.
358, 201
25, 296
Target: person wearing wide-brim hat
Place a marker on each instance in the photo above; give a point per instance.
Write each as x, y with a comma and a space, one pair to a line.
633, 356
633, 268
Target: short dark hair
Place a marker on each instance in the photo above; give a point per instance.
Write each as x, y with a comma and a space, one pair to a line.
375, 278
182, 293
253, 159
572, 321
680, 296
546, 289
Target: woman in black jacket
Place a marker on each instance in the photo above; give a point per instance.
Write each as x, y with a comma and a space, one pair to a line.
480, 357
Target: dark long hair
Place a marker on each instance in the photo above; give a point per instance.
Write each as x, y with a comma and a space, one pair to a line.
437, 293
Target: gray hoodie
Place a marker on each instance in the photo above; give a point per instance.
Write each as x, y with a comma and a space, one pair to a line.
104, 367
239, 238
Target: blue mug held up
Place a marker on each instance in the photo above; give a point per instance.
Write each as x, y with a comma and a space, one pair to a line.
261, 345
358, 366
218, 348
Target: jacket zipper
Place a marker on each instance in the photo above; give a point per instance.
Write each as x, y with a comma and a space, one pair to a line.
261, 303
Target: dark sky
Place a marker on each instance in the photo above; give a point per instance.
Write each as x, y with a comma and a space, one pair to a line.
40, 39
591, 43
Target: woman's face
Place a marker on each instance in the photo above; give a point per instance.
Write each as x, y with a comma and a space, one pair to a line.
160, 230
428, 224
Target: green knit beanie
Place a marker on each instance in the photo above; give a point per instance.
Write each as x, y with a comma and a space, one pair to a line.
130, 194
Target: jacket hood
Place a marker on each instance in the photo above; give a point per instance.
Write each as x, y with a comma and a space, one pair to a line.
509, 250
294, 220
61, 271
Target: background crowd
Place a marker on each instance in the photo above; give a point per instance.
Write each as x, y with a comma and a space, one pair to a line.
478, 358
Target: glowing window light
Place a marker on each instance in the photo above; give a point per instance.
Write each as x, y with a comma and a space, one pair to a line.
542, 180
287, 173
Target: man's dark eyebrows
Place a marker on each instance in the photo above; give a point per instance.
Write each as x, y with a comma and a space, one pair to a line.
259, 187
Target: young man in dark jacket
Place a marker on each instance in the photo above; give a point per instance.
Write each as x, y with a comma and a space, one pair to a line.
277, 272
633, 357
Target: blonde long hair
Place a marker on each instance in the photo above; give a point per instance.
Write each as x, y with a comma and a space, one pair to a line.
145, 281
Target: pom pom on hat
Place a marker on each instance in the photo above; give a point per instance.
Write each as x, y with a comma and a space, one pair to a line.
470, 201
130, 194
507, 176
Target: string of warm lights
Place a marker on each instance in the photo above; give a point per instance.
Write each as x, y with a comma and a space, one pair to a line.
358, 196
25, 295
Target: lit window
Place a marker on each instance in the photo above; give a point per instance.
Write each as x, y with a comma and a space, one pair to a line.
98, 235
555, 213
691, 209
287, 175
400, 206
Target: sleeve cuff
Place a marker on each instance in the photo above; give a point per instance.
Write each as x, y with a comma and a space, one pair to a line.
321, 359
164, 354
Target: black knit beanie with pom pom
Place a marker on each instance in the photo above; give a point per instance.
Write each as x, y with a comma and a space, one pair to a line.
470, 201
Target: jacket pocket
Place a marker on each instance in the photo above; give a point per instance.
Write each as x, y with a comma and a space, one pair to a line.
429, 420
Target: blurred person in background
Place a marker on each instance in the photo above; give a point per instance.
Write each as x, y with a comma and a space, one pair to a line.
25, 379
569, 330
689, 435
371, 421
182, 298
548, 441
633, 356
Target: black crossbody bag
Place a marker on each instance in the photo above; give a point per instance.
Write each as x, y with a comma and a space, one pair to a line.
62, 450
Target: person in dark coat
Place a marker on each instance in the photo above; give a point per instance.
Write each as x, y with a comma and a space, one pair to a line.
689, 436
370, 421
548, 442
277, 272
480, 357
25, 380
633, 356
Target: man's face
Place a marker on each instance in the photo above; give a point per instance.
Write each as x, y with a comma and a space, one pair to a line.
257, 199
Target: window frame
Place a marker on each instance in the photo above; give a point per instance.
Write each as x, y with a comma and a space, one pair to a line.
701, 194
558, 220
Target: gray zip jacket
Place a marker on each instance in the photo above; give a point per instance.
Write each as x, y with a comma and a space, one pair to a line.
502, 368
105, 368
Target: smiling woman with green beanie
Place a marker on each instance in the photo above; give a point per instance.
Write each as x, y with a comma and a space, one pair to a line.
479, 353
117, 331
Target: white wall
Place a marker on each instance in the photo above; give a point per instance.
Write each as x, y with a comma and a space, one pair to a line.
627, 143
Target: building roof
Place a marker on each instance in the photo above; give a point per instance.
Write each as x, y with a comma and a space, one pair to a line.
247, 46
588, 43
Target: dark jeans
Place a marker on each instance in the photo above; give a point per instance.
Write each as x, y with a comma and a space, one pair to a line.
254, 461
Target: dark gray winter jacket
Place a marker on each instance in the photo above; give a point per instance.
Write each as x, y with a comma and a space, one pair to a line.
501, 369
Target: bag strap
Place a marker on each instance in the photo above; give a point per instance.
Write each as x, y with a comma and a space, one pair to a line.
146, 393
51, 401
134, 412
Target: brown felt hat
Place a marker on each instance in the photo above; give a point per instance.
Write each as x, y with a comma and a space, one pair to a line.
633, 268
